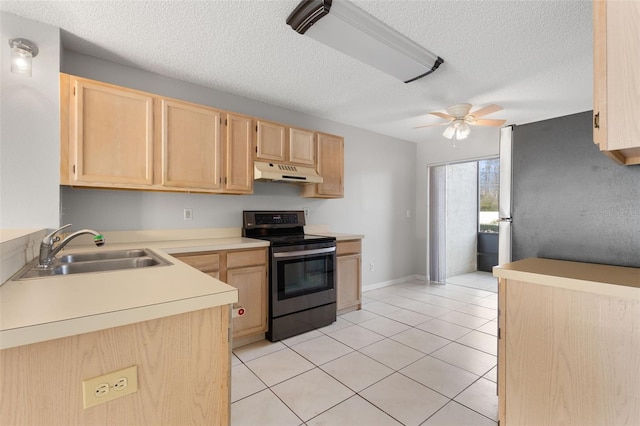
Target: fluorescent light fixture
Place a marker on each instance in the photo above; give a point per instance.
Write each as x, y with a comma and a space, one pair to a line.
352, 31
22, 51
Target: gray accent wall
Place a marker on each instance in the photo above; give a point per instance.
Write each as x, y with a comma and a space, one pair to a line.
570, 201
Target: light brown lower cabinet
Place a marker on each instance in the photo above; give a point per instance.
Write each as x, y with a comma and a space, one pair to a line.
569, 353
348, 282
183, 374
245, 270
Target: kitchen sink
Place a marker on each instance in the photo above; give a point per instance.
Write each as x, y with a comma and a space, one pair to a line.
84, 263
104, 255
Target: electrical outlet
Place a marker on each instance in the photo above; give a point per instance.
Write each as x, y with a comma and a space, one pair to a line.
110, 386
371, 267
306, 212
187, 214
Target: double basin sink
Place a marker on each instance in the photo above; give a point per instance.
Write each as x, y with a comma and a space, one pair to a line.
101, 261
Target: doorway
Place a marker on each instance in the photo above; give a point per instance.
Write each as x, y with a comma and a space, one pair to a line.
462, 218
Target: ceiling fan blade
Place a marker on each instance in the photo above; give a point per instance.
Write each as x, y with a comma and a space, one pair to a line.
443, 115
431, 125
492, 123
489, 109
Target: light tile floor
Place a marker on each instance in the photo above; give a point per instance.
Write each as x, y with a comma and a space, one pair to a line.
416, 354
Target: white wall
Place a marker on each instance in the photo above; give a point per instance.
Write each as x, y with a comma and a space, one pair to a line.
30, 129
482, 143
462, 218
379, 181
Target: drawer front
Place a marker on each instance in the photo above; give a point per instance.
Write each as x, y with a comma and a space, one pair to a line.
206, 262
240, 259
348, 247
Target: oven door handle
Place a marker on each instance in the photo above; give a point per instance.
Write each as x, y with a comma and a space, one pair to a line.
304, 252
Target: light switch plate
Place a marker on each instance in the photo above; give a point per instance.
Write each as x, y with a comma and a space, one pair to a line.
109, 386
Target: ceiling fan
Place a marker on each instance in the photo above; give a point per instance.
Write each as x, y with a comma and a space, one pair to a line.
459, 118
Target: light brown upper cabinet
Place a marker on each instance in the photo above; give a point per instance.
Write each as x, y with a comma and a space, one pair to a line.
115, 137
191, 146
330, 155
271, 141
283, 144
238, 164
120, 138
107, 137
616, 29
302, 144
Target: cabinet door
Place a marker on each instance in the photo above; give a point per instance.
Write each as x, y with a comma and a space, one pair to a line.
616, 72
330, 165
502, 350
191, 154
348, 281
112, 135
600, 74
238, 156
252, 296
623, 74
207, 262
302, 144
270, 142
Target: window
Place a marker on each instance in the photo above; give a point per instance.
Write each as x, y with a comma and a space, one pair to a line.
488, 195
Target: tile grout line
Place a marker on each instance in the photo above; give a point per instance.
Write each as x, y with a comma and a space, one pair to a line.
393, 370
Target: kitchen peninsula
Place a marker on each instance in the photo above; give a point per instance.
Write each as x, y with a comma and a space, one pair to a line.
172, 322
569, 343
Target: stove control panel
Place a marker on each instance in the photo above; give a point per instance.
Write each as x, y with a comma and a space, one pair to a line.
271, 219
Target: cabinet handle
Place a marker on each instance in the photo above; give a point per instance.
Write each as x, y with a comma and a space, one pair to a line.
596, 121
304, 252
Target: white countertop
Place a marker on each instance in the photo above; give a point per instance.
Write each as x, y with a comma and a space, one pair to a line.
47, 308
324, 230
607, 280
342, 237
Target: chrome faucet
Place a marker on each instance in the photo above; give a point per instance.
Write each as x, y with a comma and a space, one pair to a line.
48, 253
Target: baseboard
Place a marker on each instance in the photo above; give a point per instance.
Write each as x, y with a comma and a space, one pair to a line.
392, 282
247, 340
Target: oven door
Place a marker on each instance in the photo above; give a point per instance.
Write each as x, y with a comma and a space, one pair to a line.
302, 277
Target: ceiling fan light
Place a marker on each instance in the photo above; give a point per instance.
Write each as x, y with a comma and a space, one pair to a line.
462, 131
449, 132
460, 135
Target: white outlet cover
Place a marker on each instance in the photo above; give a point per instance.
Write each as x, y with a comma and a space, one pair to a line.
90, 387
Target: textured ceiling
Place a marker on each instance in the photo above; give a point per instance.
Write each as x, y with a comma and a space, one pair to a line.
532, 57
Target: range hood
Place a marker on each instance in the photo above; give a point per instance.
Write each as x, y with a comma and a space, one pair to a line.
285, 172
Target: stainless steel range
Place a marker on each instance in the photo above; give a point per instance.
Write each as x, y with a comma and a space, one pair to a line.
302, 280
